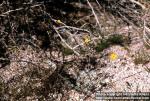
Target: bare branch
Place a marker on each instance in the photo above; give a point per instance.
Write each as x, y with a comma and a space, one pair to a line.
10, 11
138, 3
66, 43
96, 18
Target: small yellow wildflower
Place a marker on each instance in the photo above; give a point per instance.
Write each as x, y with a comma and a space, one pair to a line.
86, 39
113, 56
58, 21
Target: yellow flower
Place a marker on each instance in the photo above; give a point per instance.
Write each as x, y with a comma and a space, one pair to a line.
58, 21
113, 56
86, 39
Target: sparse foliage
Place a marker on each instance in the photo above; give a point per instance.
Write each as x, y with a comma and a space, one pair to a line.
49, 47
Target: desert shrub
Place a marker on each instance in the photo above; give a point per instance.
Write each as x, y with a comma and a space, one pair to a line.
102, 45
116, 39
111, 40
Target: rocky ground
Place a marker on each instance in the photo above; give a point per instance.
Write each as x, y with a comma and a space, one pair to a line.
42, 68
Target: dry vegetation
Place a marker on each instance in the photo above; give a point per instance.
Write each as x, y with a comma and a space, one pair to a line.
60, 50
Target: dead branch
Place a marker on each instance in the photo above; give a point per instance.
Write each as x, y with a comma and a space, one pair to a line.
10, 11
71, 27
96, 18
66, 43
138, 3
146, 34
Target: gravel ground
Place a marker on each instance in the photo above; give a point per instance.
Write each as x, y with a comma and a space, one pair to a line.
119, 75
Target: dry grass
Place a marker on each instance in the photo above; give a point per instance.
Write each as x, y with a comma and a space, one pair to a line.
55, 53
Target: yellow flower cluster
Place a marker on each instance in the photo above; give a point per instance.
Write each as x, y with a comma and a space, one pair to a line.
113, 56
86, 39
